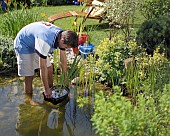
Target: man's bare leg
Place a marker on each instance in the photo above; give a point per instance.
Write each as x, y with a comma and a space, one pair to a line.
28, 84
28, 99
29, 90
50, 76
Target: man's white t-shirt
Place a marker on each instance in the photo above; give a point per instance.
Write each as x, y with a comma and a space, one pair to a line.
37, 37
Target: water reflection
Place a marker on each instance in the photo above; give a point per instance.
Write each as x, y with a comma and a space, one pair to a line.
24, 115
53, 119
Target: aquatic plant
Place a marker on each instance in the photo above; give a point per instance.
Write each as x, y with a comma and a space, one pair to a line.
65, 78
148, 74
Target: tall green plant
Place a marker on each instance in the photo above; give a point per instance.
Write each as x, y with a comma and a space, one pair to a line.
65, 78
132, 79
155, 73
13, 21
147, 75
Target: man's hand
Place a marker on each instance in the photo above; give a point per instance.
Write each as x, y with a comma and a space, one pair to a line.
47, 93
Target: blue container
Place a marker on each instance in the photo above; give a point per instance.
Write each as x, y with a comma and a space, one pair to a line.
86, 50
4, 5
75, 2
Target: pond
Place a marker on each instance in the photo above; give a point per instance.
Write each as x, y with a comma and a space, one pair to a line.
21, 117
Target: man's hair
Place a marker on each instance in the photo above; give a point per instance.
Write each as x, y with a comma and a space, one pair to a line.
70, 38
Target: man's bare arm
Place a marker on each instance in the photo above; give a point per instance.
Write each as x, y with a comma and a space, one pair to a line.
63, 61
44, 76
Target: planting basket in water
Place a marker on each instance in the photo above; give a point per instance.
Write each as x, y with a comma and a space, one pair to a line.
59, 94
86, 50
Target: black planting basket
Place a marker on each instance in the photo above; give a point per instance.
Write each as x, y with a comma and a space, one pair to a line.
59, 94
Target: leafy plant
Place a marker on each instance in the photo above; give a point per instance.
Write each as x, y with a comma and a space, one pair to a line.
155, 32
8, 57
39, 2
111, 58
116, 116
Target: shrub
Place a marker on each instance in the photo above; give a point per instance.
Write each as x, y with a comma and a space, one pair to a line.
11, 24
18, 4
58, 2
120, 13
8, 56
155, 32
155, 8
111, 58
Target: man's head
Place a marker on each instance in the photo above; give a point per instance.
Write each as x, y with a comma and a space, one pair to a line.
69, 38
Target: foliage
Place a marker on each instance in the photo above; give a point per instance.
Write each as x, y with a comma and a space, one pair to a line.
18, 4
111, 58
12, 22
154, 8
8, 58
115, 115
39, 2
58, 2
120, 13
65, 78
154, 32
147, 74
51, 2
42, 2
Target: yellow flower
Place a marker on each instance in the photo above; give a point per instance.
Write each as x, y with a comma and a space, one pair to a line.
43, 14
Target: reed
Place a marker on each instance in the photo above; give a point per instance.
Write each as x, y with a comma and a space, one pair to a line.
132, 79
65, 78
147, 75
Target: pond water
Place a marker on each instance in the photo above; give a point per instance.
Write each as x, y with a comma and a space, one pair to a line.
21, 117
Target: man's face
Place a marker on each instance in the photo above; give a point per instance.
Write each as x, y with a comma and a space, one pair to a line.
62, 45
